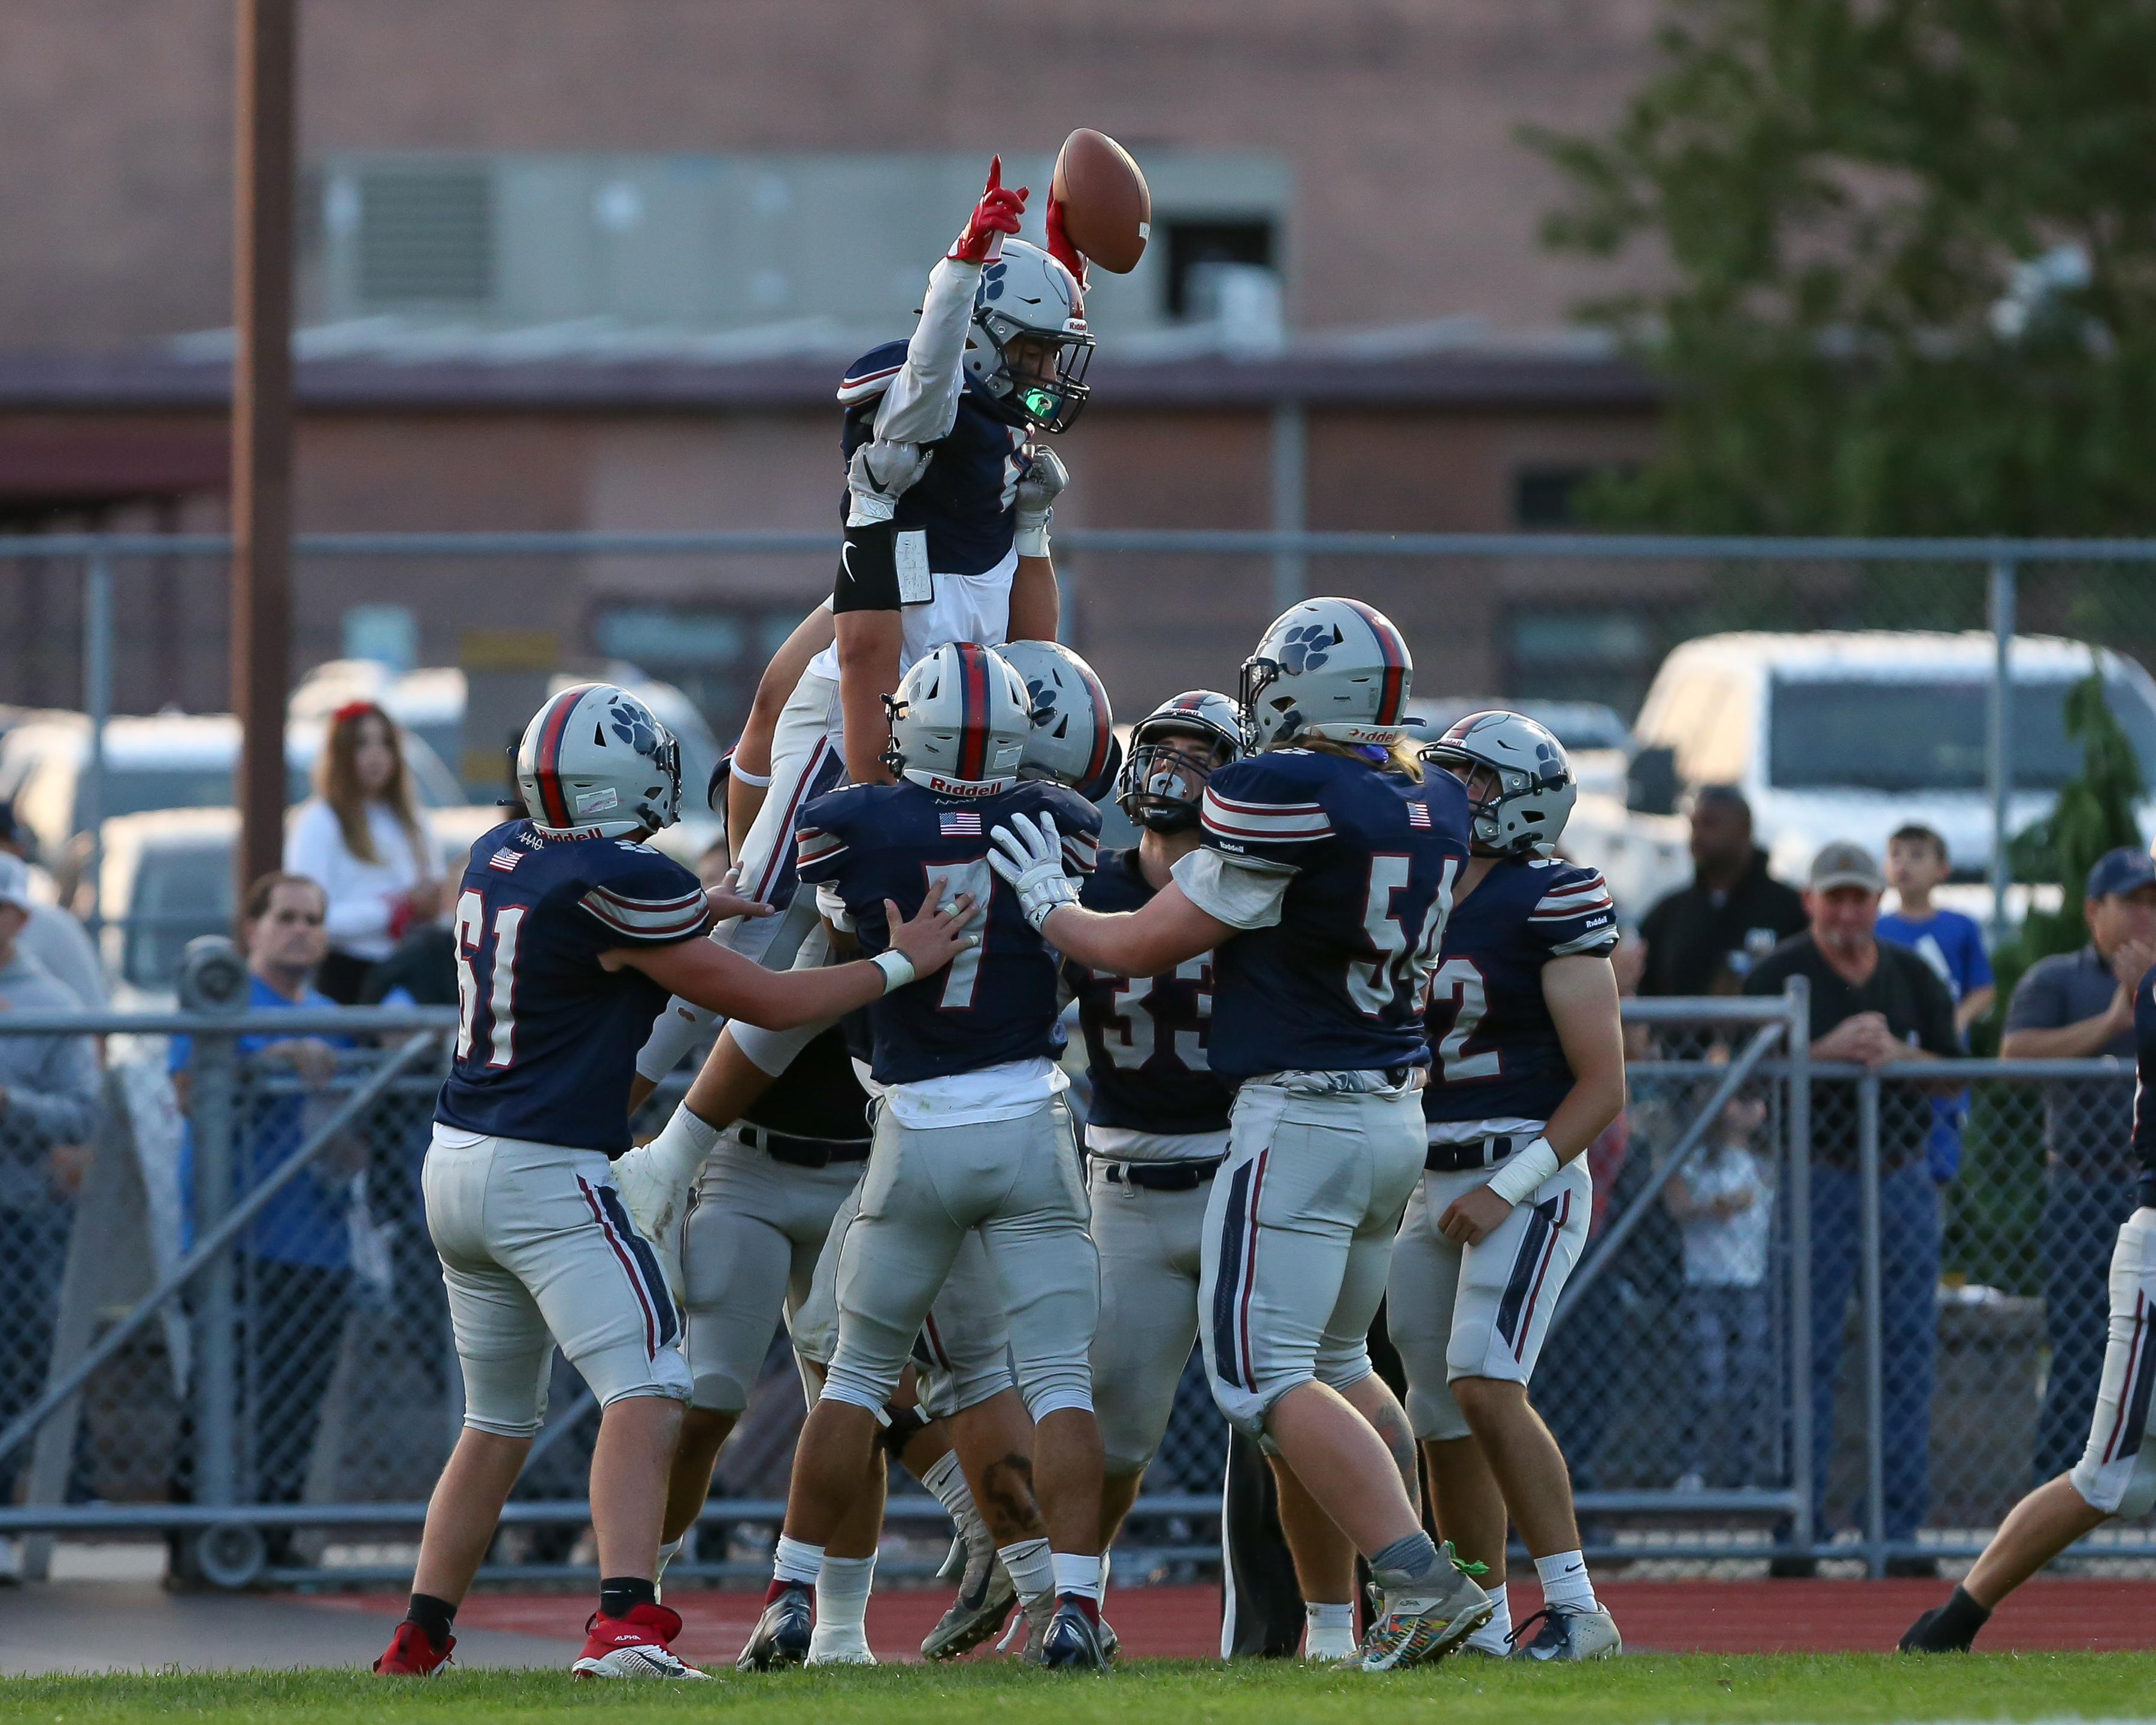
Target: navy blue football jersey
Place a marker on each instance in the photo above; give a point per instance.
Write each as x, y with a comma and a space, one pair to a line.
1146, 1037
2144, 1066
995, 1002
1337, 984
547, 1038
965, 500
1496, 1048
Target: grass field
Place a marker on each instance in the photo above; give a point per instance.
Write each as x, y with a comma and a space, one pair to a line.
1819, 1689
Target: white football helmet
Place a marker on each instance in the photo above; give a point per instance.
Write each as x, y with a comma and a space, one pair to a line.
1535, 791
595, 760
959, 721
1073, 737
1027, 293
1160, 787
1335, 669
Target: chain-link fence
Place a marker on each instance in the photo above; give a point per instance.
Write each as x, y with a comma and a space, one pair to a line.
224, 1324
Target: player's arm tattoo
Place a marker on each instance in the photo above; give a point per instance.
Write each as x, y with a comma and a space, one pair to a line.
1009, 1506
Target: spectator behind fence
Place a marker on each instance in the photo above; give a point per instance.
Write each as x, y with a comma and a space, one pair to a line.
2070, 1006
53, 937
48, 1114
293, 1261
1953, 945
1723, 1200
1705, 938
1871, 1004
364, 839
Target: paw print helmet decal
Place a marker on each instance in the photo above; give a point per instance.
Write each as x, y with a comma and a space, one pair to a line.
595, 760
1335, 669
1072, 738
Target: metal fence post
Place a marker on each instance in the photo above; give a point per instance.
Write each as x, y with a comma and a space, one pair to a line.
1798, 1037
213, 1077
1875, 1434
97, 704
1998, 740
1290, 464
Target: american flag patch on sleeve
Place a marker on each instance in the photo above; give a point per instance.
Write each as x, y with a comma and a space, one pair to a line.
504, 859
1418, 814
964, 824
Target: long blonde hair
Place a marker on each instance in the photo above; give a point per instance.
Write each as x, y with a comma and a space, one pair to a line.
336, 783
1400, 756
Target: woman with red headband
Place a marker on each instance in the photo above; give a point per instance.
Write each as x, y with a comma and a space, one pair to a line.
361, 837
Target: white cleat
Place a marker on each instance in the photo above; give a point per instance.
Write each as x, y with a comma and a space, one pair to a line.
1569, 1635
850, 1650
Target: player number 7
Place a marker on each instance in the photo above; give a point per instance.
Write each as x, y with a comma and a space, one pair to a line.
964, 970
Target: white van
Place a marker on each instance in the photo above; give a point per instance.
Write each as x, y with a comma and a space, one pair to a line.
1849, 735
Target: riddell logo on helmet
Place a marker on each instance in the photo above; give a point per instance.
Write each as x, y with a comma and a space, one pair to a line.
1362, 733
964, 786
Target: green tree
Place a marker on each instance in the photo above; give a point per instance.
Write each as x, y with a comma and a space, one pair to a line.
1909, 264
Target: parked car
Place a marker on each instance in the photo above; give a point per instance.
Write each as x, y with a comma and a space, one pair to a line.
163, 761
1849, 735
1596, 739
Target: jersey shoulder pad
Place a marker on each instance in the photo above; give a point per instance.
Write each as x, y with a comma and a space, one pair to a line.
1077, 821
1271, 805
1572, 910
870, 375
833, 826
638, 895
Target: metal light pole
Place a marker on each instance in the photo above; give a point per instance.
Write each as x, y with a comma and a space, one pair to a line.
262, 421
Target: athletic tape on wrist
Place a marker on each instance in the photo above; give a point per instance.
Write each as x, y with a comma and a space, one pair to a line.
896, 967
762, 781
1524, 1170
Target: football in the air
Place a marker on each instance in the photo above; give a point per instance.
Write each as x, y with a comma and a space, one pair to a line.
1107, 210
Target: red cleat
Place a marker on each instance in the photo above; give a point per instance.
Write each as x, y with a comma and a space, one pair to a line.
633, 1646
412, 1655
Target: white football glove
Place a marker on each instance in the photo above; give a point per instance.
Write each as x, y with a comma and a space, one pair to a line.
1037, 492
1030, 858
878, 475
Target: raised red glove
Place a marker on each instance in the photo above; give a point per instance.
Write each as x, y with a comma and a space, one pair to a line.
995, 215
1059, 246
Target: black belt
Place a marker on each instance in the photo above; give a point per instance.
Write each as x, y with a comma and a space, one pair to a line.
1483, 1153
803, 1153
1164, 1176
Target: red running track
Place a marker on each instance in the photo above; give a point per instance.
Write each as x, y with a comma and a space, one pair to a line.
1655, 1616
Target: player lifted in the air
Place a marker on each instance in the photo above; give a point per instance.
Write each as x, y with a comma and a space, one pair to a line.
1321, 888
971, 1135
570, 933
1529, 1068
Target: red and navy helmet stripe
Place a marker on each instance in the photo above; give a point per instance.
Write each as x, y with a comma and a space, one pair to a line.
546, 758
1392, 699
1104, 734
973, 711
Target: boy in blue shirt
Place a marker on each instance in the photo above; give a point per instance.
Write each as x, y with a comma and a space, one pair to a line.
1953, 945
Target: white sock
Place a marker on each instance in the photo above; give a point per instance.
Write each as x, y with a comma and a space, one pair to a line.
946, 1481
1328, 1631
842, 1604
667, 1553
1031, 1569
1076, 1574
1490, 1637
1104, 1578
797, 1561
1565, 1585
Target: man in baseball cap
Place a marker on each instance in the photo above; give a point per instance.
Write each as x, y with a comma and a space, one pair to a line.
1872, 1003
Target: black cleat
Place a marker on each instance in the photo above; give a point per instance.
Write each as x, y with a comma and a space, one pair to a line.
781, 1633
984, 1605
1951, 1627
1072, 1640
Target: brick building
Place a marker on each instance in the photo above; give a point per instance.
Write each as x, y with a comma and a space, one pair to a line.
569, 266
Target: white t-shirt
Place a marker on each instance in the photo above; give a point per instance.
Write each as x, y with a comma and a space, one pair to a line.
1007, 1091
362, 895
1729, 1251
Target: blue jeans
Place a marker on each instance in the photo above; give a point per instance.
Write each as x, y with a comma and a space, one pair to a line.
1908, 1326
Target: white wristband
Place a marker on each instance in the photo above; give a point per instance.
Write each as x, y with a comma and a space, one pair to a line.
761, 781
896, 967
1524, 1170
1031, 538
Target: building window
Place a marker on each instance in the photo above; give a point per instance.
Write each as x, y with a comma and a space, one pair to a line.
1192, 245
426, 236
712, 654
1548, 497
1604, 655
